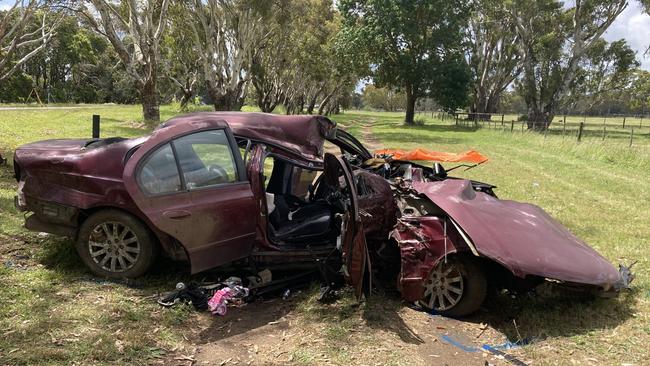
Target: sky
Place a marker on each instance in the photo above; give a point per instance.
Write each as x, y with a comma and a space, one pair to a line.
633, 25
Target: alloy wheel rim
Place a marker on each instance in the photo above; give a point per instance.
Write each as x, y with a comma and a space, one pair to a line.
444, 287
114, 246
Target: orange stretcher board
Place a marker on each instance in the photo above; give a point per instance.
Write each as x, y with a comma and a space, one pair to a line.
471, 156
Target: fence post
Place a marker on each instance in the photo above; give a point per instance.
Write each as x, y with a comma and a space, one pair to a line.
564, 127
604, 131
456, 119
631, 136
624, 121
512, 125
582, 124
96, 126
475, 119
503, 117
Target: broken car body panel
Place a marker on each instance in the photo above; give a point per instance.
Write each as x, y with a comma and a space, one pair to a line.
302, 135
520, 236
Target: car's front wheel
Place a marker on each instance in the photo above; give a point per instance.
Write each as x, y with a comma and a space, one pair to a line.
455, 287
115, 244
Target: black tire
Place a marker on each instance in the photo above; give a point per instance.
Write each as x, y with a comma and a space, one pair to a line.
132, 264
473, 288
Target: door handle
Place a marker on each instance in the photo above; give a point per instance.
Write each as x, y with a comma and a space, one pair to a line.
177, 214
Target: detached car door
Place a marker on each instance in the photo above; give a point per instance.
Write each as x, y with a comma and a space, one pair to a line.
190, 182
356, 261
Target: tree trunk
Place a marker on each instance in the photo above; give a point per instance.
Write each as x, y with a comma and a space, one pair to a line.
185, 99
312, 104
483, 108
227, 101
539, 120
410, 106
149, 100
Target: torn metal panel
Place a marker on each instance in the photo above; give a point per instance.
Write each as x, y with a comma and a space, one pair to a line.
302, 135
423, 241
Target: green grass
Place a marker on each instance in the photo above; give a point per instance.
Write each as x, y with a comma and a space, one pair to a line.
53, 312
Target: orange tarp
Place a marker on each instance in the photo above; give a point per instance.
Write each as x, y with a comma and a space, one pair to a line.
471, 156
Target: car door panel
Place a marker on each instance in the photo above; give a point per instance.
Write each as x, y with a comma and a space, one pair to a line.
356, 261
222, 225
215, 223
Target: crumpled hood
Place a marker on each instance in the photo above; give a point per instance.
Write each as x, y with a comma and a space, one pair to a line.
522, 237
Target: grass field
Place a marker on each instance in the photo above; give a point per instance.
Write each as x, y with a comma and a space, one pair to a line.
53, 312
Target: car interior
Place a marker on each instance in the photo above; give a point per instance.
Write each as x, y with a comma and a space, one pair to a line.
305, 206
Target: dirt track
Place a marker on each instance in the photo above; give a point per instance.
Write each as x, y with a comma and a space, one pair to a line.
276, 332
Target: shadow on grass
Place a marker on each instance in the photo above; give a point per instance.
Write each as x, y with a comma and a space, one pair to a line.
382, 312
532, 318
521, 318
59, 255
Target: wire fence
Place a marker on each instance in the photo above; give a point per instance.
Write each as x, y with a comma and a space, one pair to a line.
625, 129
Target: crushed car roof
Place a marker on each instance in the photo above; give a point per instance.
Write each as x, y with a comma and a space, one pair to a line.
303, 135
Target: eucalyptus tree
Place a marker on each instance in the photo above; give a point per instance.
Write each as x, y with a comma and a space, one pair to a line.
20, 41
181, 61
226, 34
639, 92
297, 65
607, 72
554, 41
415, 46
135, 29
493, 55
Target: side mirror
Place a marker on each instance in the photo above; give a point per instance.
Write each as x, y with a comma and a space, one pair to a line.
439, 170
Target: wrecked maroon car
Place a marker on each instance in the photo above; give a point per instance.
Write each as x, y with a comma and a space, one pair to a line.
254, 188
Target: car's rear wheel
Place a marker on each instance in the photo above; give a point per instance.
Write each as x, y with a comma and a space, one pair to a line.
456, 287
115, 244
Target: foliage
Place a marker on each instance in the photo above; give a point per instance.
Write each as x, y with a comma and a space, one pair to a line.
299, 64
383, 98
134, 29
640, 92
555, 41
226, 34
493, 54
410, 45
25, 30
181, 60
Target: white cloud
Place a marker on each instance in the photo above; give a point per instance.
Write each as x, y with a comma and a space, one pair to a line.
634, 26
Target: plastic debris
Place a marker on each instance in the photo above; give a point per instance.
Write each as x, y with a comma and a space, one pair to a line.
217, 304
230, 295
191, 293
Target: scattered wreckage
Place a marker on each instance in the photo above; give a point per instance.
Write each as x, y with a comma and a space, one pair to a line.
258, 190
